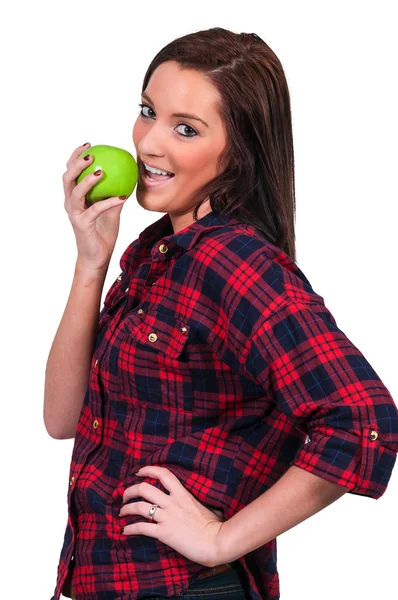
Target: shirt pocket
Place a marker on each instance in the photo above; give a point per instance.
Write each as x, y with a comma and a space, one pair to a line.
153, 366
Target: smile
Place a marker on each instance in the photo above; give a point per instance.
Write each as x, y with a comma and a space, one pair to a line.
147, 178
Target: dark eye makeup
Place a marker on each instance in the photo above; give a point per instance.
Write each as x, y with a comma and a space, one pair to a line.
194, 134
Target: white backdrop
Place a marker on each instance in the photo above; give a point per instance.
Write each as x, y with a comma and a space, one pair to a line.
72, 73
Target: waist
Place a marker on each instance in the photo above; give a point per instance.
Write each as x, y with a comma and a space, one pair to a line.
209, 572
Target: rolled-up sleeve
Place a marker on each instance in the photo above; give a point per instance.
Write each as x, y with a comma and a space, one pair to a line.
324, 384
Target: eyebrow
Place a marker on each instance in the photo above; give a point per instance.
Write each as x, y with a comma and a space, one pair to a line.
183, 115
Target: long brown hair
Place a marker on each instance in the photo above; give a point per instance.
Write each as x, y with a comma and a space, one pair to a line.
256, 170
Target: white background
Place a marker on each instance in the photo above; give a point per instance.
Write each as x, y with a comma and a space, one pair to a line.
72, 73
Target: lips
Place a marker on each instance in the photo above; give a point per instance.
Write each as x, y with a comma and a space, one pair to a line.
151, 183
169, 173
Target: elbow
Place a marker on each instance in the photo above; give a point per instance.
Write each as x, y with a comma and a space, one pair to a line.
58, 435
56, 430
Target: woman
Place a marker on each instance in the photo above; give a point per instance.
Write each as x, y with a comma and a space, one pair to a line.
214, 369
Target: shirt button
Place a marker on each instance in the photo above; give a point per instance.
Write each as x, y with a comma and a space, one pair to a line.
163, 248
152, 337
126, 290
374, 435
95, 424
72, 479
96, 363
120, 277
140, 311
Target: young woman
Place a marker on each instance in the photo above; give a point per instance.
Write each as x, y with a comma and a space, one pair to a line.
214, 401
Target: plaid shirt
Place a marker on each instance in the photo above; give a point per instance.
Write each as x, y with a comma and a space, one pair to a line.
216, 359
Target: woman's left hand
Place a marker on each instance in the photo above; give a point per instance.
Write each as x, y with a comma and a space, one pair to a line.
180, 521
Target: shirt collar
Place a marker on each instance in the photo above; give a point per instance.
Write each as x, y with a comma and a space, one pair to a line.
162, 230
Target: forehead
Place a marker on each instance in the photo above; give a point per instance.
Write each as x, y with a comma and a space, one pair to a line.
175, 89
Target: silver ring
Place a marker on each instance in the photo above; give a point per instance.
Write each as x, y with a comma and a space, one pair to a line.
152, 511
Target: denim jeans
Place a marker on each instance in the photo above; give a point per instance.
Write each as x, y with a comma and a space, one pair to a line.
225, 585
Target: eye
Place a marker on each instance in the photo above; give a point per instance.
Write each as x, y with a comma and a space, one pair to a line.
188, 127
142, 106
192, 132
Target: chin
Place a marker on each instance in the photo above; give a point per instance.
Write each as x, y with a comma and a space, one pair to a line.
149, 201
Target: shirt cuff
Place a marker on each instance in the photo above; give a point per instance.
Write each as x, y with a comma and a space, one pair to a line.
359, 461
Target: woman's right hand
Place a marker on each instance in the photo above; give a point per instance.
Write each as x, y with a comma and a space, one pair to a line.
96, 225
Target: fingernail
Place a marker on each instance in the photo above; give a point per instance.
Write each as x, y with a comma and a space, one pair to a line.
98, 172
122, 197
87, 157
122, 530
86, 144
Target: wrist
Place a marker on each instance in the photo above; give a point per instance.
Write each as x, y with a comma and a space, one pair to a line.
220, 554
82, 268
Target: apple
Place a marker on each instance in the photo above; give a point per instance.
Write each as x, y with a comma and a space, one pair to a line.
119, 168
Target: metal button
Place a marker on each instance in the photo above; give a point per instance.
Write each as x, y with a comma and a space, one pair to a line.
140, 311
163, 248
126, 290
152, 337
183, 329
374, 435
120, 276
72, 479
96, 363
95, 424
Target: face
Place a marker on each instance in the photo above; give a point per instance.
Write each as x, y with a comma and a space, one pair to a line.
185, 146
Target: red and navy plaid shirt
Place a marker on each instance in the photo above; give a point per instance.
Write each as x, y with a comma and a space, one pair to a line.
216, 359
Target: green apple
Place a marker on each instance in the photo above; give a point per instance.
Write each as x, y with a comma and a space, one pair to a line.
119, 168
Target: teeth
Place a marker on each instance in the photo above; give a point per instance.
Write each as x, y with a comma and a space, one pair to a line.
152, 170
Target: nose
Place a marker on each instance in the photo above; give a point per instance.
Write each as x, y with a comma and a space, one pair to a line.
152, 143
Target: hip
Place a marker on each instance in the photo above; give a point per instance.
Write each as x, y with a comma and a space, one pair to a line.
222, 581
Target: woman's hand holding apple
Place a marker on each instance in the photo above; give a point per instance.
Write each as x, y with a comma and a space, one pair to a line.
96, 226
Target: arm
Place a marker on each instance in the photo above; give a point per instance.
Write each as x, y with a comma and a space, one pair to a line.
280, 335
68, 363
296, 496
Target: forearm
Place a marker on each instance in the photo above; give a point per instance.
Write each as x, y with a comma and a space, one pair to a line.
68, 364
296, 496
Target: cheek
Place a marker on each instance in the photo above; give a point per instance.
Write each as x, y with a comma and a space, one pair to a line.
197, 161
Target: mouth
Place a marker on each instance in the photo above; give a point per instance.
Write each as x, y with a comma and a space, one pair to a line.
153, 180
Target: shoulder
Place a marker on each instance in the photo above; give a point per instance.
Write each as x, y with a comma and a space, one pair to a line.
241, 264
